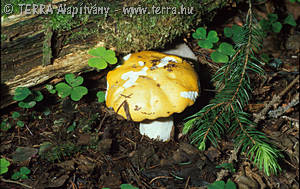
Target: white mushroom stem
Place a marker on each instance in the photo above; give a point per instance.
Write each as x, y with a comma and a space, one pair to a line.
160, 128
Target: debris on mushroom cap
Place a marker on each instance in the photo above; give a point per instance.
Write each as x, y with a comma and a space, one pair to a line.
152, 84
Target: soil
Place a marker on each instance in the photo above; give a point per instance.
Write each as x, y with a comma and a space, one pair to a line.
84, 144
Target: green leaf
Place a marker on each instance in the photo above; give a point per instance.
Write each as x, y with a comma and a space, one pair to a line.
73, 81
219, 57
16, 176
196, 35
51, 89
27, 104
212, 36
21, 93
98, 63
101, 96
103, 57
24, 170
266, 26
38, 96
20, 123
200, 33
276, 27
226, 48
230, 185
127, 186
205, 44
4, 164
63, 89
5, 125
290, 20
97, 51
15, 115
78, 92
228, 32
111, 59
72, 127
272, 17
217, 185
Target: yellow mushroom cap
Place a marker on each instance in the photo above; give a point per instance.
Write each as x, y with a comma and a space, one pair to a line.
153, 84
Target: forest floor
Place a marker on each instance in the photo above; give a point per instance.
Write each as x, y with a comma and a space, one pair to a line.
83, 144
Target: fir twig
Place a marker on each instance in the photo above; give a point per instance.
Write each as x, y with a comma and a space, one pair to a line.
224, 114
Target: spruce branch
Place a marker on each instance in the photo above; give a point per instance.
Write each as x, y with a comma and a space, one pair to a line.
225, 113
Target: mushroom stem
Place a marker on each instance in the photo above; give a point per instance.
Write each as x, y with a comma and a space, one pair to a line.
160, 128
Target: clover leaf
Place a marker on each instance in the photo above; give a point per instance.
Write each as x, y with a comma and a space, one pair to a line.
50, 88
222, 53
290, 20
205, 41
22, 174
5, 125
271, 24
222, 185
72, 87
102, 58
235, 33
101, 96
4, 165
27, 98
21, 93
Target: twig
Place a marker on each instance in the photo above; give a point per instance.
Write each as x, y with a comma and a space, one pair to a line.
187, 182
15, 182
275, 99
159, 177
281, 110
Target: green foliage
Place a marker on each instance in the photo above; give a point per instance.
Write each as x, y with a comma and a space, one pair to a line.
26, 97
221, 55
228, 166
222, 185
205, 40
290, 20
72, 127
61, 21
271, 24
102, 58
5, 125
72, 87
101, 96
236, 33
22, 174
4, 164
50, 88
16, 116
224, 115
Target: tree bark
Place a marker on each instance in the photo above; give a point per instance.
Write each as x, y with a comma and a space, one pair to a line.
32, 52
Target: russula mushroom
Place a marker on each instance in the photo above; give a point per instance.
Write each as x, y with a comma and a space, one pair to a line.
149, 87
